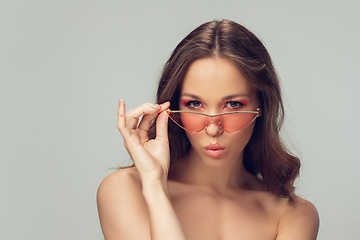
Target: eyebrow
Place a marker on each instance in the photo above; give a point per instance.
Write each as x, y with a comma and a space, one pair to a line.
235, 95
223, 99
190, 95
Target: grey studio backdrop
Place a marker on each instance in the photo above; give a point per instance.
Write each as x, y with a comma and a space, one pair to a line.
64, 65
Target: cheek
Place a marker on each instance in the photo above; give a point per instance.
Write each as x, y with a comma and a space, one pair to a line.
193, 138
241, 138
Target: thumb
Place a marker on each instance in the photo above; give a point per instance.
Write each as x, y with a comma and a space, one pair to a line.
162, 127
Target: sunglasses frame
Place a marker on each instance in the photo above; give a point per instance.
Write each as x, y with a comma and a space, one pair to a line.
257, 111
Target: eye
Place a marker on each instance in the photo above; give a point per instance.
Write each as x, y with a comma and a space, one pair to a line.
194, 104
234, 105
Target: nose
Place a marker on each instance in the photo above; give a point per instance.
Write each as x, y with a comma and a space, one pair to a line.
213, 129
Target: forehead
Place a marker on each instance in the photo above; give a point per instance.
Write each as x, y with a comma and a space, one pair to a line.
215, 78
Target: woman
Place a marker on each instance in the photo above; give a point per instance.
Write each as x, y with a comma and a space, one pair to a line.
217, 169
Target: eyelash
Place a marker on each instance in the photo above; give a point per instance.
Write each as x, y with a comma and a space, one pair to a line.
190, 105
238, 105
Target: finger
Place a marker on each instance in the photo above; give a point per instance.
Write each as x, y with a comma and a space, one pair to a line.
121, 121
162, 127
149, 112
146, 122
124, 130
164, 106
144, 127
132, 117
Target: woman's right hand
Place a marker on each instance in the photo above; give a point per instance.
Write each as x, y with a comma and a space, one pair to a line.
151, 157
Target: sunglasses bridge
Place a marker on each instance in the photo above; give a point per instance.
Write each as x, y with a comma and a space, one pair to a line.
217, 123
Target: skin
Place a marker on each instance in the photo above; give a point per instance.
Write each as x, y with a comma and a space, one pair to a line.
207, 198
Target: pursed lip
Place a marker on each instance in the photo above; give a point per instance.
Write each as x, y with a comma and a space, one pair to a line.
214, 150
214, 146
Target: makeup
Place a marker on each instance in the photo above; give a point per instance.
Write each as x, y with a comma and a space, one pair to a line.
185, 101
190, 102
238, 104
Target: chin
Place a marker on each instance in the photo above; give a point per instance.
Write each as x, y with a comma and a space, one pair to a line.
219, 160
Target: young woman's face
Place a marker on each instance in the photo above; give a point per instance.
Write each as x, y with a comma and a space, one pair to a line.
213, 86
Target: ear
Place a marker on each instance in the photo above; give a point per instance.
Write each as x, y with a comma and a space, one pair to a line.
259, 110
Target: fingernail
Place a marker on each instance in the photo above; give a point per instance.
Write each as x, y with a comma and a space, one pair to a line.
155, 106
120, 101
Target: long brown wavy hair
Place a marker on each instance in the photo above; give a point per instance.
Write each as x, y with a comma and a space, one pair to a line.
265, 155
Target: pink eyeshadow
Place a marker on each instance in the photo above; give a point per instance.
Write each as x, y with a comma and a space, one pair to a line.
244, 102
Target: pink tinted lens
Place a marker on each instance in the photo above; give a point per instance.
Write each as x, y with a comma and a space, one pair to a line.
192, 122
234, 122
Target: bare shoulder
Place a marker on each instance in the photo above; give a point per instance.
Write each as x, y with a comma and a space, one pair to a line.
121, 178
122, 209
299, 220
119, 185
